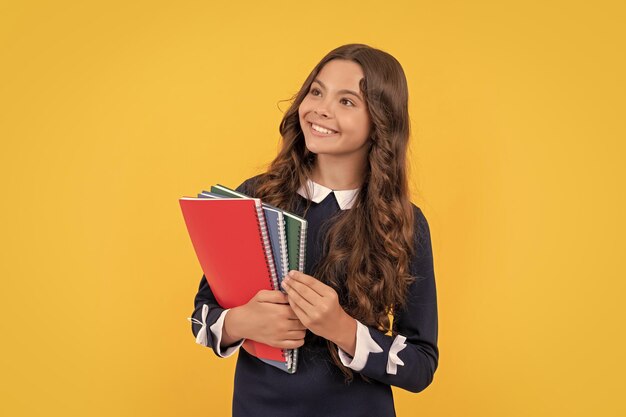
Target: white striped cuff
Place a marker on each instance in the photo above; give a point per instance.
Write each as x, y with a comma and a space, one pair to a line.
364, 346
216, 329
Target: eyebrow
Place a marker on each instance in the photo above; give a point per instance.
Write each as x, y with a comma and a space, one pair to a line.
340, 91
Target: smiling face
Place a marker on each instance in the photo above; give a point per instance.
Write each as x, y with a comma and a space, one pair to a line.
333, 115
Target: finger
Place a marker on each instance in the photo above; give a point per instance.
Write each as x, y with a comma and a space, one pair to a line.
306, 292
293, 334
287, 343
299, 328
300, 312
271, 296
296, 334
290, 344
292, 316
294, 296
295, 325
312, 282
287, 312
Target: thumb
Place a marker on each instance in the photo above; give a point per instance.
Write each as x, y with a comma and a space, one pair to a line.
273, 296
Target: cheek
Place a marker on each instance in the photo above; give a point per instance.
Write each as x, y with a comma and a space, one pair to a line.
304, 107
360, 126
301, 115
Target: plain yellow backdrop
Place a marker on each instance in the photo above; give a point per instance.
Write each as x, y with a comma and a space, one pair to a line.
111, 111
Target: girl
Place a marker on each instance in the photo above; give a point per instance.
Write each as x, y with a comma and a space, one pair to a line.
342, 167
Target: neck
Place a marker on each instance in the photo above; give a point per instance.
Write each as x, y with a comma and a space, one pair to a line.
339, 173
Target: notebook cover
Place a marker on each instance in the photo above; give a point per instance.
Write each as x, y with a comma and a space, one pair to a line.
296, 228
228, 240
275, 225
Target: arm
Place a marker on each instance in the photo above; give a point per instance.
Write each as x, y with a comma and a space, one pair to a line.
215, 332
266, 318
225, 329
409, 359
208, 320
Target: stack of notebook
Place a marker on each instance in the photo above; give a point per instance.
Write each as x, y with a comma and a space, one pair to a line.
244, 246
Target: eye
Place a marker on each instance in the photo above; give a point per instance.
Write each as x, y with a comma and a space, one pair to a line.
314, 91
349, 102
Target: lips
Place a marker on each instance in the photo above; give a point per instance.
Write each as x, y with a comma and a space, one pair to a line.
328, 131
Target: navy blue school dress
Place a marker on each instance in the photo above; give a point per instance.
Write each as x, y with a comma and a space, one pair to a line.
318, 388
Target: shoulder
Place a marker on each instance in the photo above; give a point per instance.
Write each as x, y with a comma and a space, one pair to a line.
421, 229
421, 262
249, 185
419, 219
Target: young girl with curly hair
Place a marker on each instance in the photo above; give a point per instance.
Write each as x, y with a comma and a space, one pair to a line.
343, 167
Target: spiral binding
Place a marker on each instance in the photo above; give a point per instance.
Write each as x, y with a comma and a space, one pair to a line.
271, 268
283, 244
294, 360
287, 353
302, 237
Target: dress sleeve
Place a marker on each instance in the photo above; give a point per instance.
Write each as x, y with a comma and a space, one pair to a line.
248, 187
409, 359
207, 321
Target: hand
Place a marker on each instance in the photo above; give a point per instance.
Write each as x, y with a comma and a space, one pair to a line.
266, 318
317, 306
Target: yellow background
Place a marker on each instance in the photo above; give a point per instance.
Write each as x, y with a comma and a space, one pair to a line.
111, 111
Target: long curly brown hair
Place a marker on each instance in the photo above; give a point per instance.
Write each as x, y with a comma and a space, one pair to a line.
369, 247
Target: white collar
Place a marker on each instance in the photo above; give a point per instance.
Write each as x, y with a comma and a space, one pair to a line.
345, 198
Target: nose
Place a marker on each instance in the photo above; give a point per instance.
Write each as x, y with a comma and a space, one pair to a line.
323, 108
322, 112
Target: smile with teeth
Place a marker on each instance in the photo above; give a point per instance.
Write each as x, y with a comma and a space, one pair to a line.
321, 129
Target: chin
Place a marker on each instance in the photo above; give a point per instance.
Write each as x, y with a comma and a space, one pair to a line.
312, 148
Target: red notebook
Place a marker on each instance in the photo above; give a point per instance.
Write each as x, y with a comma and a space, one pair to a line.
232, 244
